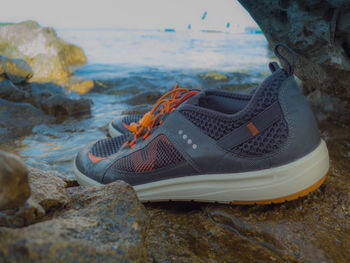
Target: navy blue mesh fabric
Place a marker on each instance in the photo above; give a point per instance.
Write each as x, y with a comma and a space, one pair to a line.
108, 146
132, 118
216, 126
159, 153
265, 142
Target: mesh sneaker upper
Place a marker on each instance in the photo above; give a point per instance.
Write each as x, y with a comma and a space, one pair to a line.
216, 126
266, 141
108, 146
157, 154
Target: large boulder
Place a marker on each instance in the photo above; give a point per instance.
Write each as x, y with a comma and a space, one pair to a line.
318, 31
14, 186
48, 56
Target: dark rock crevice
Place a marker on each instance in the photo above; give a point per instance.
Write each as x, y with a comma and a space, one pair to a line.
319, 34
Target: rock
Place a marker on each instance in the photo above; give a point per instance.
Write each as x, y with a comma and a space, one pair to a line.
16, 70
48, 195
18, 119
74, 56
318, 32
148, 97
14, 186
9, 91
48, 56
55, 101
30, 213
48, 190
82, 87
61, 106
328, 107
214, 76
2, 70
38, 92
101, 224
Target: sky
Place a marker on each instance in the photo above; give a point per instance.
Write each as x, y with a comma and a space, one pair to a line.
146, 14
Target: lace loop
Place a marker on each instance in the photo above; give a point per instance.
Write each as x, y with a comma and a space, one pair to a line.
148, 120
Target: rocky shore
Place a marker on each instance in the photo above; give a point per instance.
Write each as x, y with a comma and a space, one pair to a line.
34, 67
50, 218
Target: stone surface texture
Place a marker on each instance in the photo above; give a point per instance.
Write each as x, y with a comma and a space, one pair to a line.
62, 224
318, 31
14, 186
48, 56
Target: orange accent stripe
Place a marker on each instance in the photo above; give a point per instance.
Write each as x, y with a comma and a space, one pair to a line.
94, 159
252, 128
284, 198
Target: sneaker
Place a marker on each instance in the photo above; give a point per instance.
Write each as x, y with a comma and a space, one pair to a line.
222, 147
101, 149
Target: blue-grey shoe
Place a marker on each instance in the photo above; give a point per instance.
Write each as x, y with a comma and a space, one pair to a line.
120, 125
221, 147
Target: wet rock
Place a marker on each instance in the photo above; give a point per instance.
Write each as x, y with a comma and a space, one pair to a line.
2, 70
102, 224
48, 56
55, 101
45, 97
148, 97
14, 186
16, 70
61, 106
9, 91
319, 34
41, 91
18, 119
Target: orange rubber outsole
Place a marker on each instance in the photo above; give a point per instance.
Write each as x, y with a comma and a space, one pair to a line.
284, 198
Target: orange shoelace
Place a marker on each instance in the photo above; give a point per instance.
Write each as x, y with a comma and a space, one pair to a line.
148, 120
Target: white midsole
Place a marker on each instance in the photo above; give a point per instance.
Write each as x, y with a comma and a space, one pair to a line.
264, 184
112, 131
